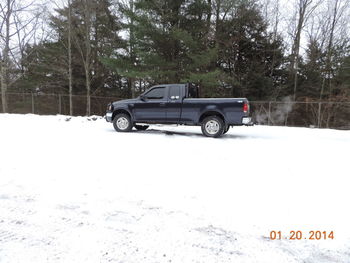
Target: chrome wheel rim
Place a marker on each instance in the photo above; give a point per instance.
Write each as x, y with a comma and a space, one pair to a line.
212, 127
122, 123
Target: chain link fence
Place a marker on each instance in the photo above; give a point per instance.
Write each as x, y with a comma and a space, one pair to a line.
51, 104
281, 113
321, 114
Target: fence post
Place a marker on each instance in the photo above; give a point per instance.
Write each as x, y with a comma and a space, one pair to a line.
287, 115
269, 117
319, 115
33, 108
59, 104
88, 105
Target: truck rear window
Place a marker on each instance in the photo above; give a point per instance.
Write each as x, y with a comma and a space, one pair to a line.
174, 92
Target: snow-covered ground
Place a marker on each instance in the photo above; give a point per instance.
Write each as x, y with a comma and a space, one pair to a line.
74, 190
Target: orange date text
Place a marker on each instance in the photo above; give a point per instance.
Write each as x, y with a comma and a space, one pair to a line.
300, 235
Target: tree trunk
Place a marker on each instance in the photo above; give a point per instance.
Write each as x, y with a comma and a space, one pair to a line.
322, 88
330, 46
217, 19
296, 47
209, 14
88, 54
3, 87
275, 32
88, 92
131, 48
70, 76
5, 59
303, 13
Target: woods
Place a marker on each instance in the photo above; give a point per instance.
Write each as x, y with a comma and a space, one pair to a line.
262, 50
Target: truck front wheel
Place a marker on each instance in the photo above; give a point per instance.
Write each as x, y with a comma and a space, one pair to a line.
122, 123
213, 126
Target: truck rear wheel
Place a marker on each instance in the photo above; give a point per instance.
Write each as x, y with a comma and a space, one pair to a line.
213, 126
122, 123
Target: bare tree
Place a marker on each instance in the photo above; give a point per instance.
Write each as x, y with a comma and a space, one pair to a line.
132, 45
84, 48
17, 29
67, 65
336, 10
272, 14
222, 9
303, 11
6, 12
70, 76
87, 60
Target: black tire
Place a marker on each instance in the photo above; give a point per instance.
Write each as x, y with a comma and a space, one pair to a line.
124, 125
217, 129
141, 127
226, 129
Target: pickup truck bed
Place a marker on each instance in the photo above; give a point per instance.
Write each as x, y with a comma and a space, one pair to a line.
229, 108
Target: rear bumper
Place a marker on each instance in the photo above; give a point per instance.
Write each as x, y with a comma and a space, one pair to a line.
109, 116
247, 121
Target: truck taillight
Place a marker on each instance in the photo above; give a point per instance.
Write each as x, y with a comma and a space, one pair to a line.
245, 107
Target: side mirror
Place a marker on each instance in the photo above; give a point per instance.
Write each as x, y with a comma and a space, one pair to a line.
142, 97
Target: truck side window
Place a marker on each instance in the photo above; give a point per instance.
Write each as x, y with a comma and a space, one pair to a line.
156, 94
174, 92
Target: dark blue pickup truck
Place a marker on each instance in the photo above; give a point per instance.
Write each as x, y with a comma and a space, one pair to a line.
178, 104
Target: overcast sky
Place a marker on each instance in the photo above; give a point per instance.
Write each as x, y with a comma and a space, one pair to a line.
286, 12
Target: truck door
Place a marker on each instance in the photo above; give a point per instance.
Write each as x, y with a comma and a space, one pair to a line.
153, 108
174, 104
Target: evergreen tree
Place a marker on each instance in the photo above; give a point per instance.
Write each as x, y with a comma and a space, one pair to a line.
344, 76
170, 43
311, 78
47, 63
314, 73
251, 58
